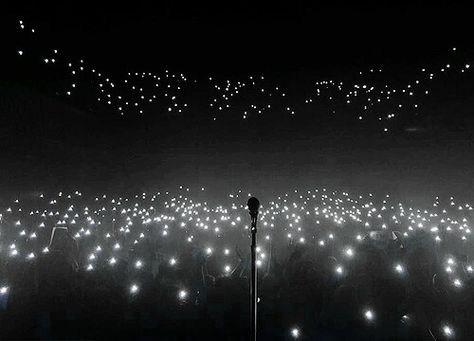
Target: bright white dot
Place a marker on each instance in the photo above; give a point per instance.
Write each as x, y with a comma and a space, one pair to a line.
399, 268
369, 315
138, 264
295, 332
448, 331
133, 289
3, 290
182, 294
172, 261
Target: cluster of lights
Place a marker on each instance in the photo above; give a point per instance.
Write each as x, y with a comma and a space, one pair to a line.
228, 94
136, 92
318, 218
369, 97
373, 96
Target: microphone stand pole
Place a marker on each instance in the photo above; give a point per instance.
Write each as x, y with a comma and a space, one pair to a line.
253, 286
253, 270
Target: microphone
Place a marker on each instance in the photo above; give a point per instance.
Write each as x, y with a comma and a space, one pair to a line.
253, 204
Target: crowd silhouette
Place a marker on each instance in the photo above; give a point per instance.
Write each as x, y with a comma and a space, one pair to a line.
385, 287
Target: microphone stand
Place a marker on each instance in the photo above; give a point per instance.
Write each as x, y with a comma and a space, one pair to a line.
253, 205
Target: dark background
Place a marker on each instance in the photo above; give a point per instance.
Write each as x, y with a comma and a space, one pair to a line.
49, 142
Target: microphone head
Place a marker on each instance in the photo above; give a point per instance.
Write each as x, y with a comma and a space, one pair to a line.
253, 204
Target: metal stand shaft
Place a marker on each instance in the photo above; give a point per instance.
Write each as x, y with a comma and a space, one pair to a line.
253, 280
253, 205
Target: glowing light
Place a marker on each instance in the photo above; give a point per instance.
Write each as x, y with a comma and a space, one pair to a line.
399, 268
182, 294
134, 289
369, 315
295, 332
448, 331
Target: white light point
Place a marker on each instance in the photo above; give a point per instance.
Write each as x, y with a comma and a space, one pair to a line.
369, 315
295, 332
134, 289
448, 331
399, 268
182, 294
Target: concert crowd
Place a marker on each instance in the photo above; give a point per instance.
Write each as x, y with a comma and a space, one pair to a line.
172, 266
